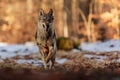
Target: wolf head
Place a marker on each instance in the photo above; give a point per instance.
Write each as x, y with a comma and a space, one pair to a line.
45, 19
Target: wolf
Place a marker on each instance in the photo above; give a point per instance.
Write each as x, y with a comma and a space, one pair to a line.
46, 38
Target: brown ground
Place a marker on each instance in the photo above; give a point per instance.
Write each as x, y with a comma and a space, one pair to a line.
77, 67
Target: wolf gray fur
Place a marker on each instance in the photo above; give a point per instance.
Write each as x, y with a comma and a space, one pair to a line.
46, 38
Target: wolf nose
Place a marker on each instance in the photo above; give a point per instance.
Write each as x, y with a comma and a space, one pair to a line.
47, 25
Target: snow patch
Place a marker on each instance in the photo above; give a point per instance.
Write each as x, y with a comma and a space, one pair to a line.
61, 61
76, 50
8, 51
30, 61
107, 46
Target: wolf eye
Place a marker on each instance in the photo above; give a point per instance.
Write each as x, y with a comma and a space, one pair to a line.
43, 26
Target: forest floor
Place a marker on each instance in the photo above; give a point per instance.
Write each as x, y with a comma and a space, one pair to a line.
68, 66
22, 62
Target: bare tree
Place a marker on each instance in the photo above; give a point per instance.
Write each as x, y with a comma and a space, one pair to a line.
87, 21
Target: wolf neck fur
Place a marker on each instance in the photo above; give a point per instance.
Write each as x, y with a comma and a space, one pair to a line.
43, 34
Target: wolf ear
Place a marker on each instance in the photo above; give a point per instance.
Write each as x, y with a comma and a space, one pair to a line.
51, 12
41, 12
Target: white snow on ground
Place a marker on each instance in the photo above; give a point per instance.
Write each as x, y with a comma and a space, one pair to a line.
61, 61
11, 50
75, 50
30, 61
8, 51
39, 62
107, 46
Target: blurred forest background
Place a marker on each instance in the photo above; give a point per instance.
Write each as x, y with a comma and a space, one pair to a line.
84, 20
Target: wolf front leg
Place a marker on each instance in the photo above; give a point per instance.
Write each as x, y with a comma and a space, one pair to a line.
51, 57
43, 57
44, 61
52, 61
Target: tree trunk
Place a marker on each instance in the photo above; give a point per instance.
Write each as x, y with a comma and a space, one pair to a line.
65, 24
75, 17
58, 6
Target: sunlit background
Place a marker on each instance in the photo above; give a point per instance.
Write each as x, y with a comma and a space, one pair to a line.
86, 20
